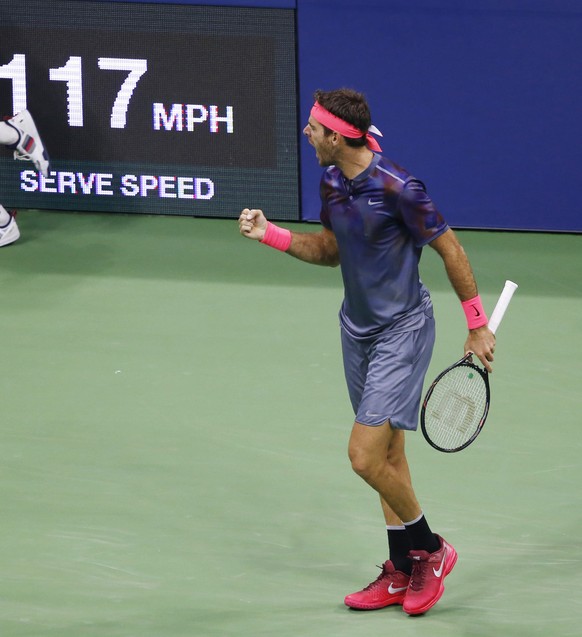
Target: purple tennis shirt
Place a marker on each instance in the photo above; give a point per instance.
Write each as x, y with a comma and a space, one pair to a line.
381, 220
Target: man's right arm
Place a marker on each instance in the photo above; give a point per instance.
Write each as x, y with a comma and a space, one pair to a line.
318, 248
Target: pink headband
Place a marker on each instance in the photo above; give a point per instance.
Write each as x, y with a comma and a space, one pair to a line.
324, 117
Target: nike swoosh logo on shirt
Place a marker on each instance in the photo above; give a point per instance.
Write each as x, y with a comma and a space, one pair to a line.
393, 589
371, 202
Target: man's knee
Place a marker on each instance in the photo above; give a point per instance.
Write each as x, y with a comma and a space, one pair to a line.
371, 454
359, 459
367, 463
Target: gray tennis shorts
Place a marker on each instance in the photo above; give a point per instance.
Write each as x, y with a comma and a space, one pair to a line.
385, 375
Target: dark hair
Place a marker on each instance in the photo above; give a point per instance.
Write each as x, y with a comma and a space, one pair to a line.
350, 106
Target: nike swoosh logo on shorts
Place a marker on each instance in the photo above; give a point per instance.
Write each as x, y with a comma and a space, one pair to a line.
439, 572
371, 202
392, 589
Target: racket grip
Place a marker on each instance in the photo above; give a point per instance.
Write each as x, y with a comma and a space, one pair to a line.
502, 304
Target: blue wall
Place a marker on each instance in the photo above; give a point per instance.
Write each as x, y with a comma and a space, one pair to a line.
481, 99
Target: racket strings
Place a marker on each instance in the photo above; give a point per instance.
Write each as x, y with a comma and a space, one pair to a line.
456, 407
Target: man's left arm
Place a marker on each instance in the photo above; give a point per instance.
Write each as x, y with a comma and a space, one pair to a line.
481, 341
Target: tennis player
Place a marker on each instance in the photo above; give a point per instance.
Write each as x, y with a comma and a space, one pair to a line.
19, 133
376, 218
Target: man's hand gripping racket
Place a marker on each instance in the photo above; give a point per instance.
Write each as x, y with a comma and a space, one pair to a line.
456, 405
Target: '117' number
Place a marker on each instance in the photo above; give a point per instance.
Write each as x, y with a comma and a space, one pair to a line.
72, 74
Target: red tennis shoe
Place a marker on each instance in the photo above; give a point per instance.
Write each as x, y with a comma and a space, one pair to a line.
428, 573
389, 588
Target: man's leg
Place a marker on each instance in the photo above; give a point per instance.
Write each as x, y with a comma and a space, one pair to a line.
395, 456
9, 231
399, 544
377, 455
391, 585
20, 134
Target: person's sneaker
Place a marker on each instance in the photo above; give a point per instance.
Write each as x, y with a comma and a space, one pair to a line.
10, 232
29, 146
427, 580
389, 588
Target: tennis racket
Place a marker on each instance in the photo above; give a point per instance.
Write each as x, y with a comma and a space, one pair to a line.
457, 403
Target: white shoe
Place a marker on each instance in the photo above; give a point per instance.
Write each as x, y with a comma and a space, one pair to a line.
10, 232
29, 146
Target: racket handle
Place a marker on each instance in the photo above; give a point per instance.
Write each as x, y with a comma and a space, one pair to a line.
497, 315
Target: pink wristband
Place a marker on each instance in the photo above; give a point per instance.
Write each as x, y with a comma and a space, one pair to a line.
474, 312
276, 237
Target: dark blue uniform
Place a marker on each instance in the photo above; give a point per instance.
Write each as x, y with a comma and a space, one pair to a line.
381, 220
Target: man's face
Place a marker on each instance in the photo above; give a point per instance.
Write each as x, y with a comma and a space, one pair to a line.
324, 144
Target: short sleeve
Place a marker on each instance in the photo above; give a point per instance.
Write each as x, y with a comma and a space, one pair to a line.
419, 213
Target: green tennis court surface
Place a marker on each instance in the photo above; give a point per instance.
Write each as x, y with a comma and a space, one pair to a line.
174, 432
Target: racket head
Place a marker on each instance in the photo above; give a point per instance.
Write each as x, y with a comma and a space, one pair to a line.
455, 407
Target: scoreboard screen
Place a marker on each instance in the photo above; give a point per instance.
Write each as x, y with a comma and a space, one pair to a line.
152, 108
